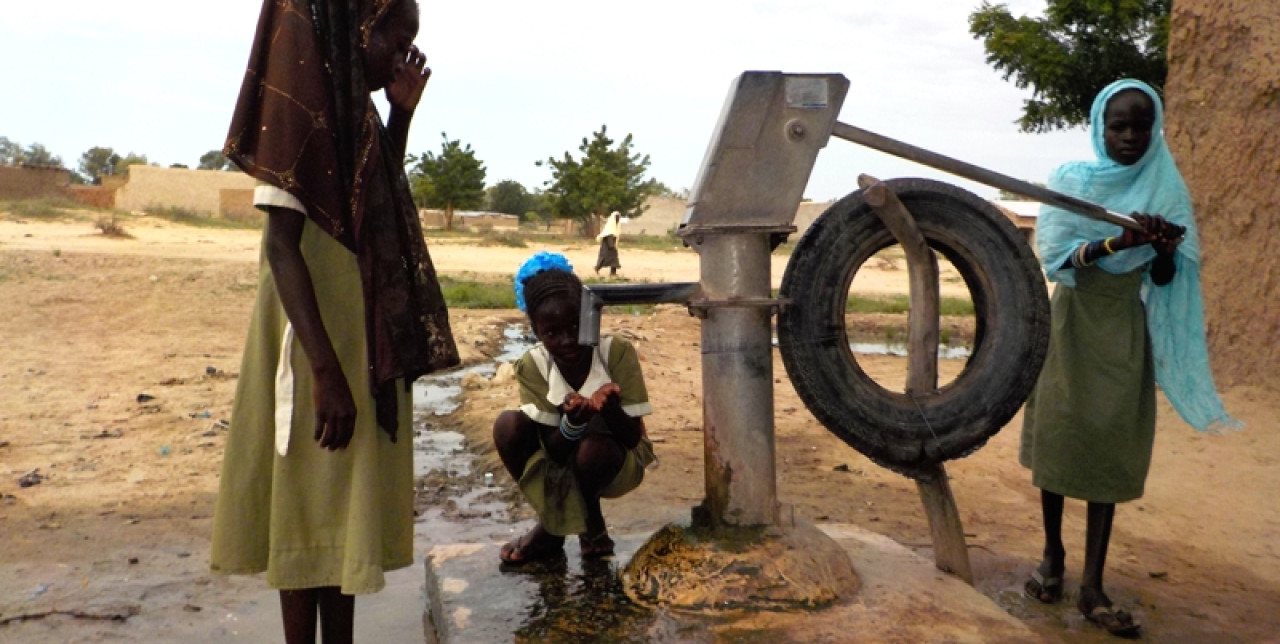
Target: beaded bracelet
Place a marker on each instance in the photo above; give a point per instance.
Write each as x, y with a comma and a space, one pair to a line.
569, 430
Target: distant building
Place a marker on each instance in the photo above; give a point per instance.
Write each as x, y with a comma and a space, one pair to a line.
1023, 214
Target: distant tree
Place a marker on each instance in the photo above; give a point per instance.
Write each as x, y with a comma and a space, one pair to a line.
37, 154
508, 197
1079, 47
122, 165
215, 160
181, 166
10, 151
662, 190
98, 162
450, 180
604, 179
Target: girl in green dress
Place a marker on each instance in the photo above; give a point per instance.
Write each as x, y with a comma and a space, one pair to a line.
317, 477
1126, 315
579, 435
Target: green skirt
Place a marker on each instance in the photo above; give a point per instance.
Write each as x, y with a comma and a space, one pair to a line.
1089, 424
314, 517
552, 489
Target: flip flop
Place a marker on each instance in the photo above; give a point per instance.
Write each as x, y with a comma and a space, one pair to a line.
1116, 622
595, 547
1046, 590
534, 545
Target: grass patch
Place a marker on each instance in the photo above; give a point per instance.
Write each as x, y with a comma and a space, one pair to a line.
474, 294
651, 242
42, 208
188, 217
902, 303
509, 238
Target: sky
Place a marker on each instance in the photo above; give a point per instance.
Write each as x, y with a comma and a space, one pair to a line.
522, 81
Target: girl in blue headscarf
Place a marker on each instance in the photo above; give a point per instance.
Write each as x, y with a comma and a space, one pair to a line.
579, 434
1126, 315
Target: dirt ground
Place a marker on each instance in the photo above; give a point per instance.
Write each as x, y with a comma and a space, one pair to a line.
120, 361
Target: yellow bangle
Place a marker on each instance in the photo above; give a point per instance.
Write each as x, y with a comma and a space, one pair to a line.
1106, 243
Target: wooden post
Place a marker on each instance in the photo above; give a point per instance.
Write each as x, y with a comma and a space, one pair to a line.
950, 553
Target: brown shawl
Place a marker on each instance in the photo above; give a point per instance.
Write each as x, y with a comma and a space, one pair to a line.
306, 123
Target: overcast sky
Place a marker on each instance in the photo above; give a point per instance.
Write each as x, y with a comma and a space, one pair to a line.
521, 81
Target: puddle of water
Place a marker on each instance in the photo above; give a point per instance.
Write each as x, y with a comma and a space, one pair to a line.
437, 394
440, 449
900, 350
440, 452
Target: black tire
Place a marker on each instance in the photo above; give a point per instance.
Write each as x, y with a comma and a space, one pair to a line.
1010, 302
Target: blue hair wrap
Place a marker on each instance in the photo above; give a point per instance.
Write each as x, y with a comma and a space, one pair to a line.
541, 261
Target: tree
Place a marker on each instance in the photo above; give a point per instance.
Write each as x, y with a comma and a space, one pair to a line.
122, 164
662, 190
10, 151
607, 178
37, 154
508, 197
215, 160
1079, 47
98, 162
452, 179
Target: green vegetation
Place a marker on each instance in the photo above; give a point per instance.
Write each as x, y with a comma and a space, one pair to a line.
453, 179
186, 216
604, 179
465, 293
902, 303
1079, 47
491, 237
42, 208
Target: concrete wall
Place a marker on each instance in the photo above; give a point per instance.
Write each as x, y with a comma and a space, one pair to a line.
93, 196
196, 190
468, 220
1223, 107
236, 204
18, 182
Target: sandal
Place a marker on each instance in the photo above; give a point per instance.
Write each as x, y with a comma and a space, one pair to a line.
535, 545
1116, 622
1046, 590
595, 547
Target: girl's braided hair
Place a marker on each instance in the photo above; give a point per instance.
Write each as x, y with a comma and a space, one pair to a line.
545, 277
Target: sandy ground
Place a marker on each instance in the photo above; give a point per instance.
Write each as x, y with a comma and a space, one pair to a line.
120, 361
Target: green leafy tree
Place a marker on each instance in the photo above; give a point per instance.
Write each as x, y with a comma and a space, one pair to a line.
98, 162
450, 180
604, 179
122, 164
508, 197
215, 160
10, 151
1076, 49
37, 154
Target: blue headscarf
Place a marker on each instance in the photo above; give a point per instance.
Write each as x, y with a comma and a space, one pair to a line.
540, 261
1175, 313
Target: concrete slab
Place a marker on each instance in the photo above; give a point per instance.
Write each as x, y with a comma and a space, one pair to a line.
903, 598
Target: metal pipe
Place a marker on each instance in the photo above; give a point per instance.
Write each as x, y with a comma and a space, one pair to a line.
981, 175
595, 297
737, 383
